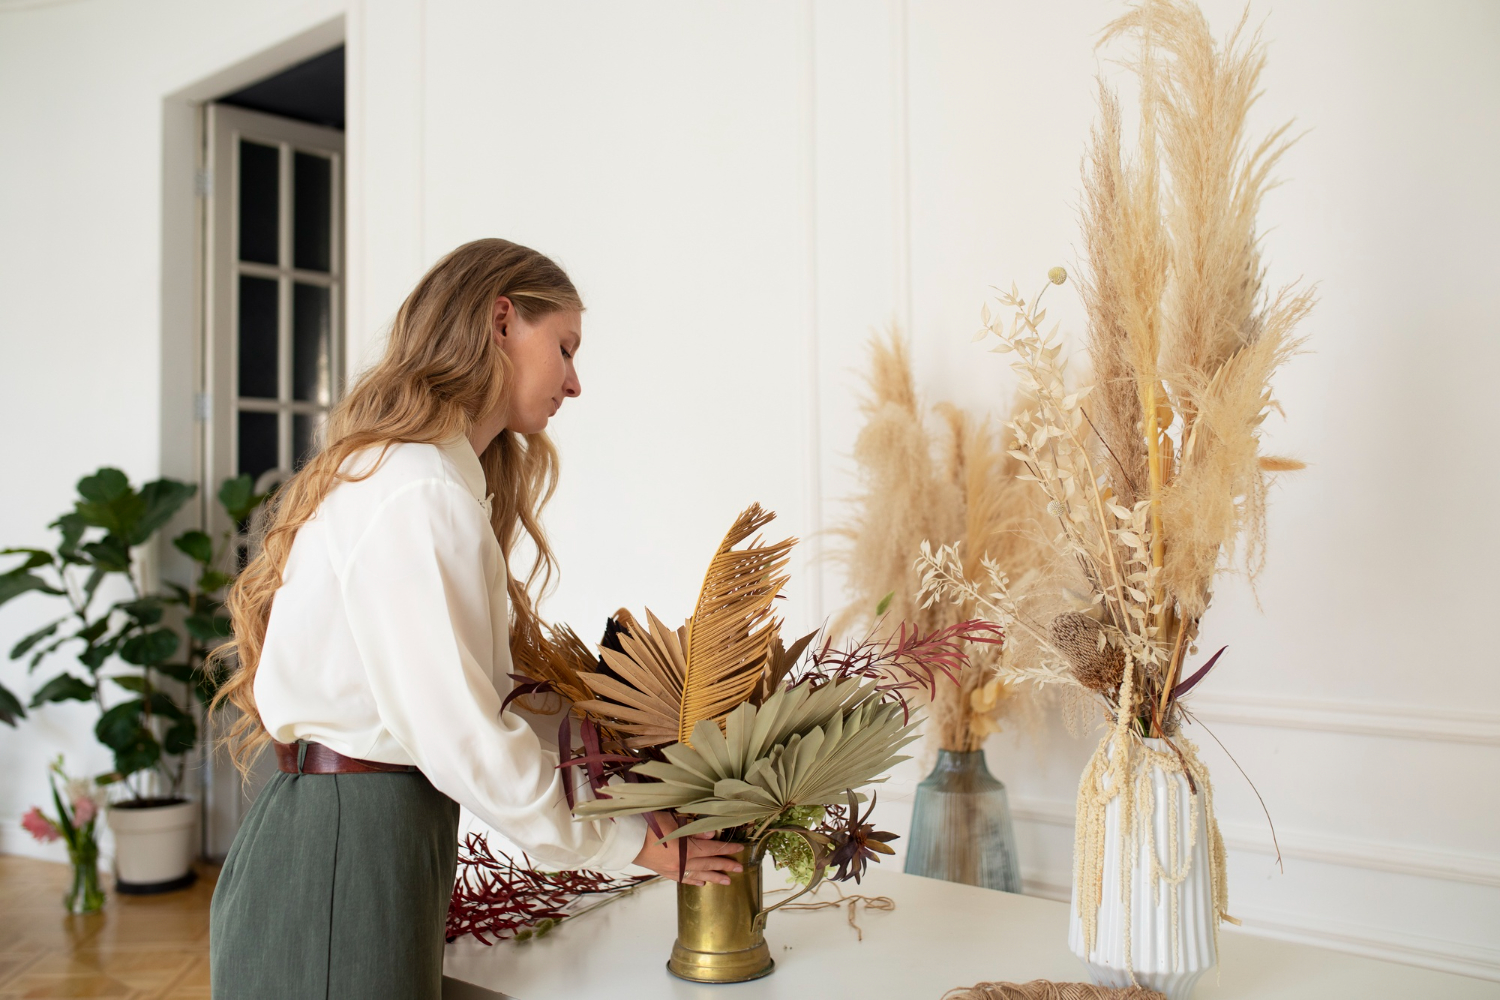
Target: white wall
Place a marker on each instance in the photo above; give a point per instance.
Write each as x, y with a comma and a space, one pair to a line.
744, 192
87, 331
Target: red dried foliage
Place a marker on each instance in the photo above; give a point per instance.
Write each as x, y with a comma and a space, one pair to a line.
495, 897
903, 664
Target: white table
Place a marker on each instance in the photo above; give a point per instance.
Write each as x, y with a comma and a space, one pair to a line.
941, 935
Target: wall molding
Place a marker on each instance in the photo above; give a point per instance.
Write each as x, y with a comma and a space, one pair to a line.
1349, 852
1459, 957
1359, 718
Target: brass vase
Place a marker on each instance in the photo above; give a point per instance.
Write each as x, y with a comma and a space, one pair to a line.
721, 928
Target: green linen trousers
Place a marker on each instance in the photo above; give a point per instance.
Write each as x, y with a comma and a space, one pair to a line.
336, 888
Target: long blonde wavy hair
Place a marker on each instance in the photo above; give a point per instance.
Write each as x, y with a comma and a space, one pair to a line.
441, 371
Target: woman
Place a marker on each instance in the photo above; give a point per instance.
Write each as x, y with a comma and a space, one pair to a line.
372, 642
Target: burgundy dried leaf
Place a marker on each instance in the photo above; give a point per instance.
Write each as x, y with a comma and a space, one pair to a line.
1198, 675
903, 664
524, 686
565, 753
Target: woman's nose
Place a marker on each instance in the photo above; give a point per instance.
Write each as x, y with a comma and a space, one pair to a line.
571, 385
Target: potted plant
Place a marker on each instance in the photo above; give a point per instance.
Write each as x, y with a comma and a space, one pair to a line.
147, 646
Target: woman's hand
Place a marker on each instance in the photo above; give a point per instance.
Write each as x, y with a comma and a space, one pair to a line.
707, 859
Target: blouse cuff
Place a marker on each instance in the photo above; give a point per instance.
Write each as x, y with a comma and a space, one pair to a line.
623, 839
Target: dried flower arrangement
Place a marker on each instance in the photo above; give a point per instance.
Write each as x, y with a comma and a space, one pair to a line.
957, 484
1153, 475
721, 723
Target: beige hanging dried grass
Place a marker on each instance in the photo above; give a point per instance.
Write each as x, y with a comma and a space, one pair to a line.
954, 482
903, 498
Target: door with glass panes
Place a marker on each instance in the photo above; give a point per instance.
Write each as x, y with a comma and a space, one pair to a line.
276, 296
273, 350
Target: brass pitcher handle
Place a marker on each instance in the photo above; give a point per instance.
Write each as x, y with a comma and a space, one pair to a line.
818, 850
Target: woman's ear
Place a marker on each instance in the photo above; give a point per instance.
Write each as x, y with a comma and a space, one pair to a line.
500, 317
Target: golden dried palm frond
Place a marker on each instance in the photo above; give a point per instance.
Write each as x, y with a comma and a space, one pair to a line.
668, 681
730, 633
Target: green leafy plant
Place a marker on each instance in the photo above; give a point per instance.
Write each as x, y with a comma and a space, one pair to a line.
137, 644
789, 851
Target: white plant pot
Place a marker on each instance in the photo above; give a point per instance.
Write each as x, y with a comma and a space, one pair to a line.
154, 846
1160, 960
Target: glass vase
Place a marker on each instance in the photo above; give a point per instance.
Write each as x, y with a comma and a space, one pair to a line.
84, 896
960, 826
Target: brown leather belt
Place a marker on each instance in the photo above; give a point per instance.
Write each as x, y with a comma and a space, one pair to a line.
318, 759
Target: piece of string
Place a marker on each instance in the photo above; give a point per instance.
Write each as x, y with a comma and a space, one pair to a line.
1045, 989
853, 901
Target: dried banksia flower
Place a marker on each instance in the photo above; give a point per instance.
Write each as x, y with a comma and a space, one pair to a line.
1097, 665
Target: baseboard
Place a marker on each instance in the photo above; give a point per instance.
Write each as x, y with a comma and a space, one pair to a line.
15, 840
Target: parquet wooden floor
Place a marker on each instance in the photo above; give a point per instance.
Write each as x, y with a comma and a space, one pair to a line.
139, 948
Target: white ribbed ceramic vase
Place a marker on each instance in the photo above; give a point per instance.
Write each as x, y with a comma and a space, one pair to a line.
1158, 962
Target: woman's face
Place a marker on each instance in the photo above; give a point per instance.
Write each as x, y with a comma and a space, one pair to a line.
541, 355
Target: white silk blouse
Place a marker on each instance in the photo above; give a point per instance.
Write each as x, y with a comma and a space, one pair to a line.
389, 641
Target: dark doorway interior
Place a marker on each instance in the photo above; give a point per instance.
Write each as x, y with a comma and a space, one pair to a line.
311, 91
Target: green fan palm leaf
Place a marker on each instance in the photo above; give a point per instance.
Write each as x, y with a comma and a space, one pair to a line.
802, 747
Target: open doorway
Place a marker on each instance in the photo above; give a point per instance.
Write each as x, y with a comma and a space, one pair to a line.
273, 318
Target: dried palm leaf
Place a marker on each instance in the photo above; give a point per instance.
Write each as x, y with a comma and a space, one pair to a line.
668, 681
779, 665
730, 633
644, 697
558, 658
